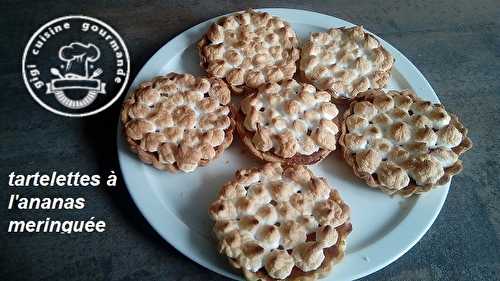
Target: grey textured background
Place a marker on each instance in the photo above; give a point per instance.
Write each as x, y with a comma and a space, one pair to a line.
456, 45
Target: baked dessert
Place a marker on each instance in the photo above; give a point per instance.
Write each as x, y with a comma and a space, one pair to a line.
345, 62
280, 222
178, 122
288, 122
400, 143
248, 49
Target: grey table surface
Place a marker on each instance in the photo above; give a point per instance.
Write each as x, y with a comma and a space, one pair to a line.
455, 44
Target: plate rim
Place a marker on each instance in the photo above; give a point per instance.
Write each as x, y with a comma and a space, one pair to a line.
150, 211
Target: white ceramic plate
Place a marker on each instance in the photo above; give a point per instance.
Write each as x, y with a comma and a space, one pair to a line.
384, 228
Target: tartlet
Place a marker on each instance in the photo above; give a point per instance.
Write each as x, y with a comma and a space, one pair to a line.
280, 222
248, 49
401, 144
178, 121
288, 122
345, 62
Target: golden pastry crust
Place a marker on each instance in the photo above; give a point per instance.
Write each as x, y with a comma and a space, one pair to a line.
248, 49
288, 122
280, 222
401, 144
345, 62
178, 122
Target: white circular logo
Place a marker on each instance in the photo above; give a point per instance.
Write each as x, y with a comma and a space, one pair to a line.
76, 66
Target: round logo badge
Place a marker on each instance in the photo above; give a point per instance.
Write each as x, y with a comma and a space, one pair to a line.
76, 66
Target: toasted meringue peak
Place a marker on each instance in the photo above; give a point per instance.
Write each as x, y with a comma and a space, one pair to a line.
279, 264
309, 255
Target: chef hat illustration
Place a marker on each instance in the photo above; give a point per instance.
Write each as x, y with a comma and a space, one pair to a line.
80, 52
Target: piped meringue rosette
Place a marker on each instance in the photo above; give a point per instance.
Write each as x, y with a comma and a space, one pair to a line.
400, 143
280, 222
